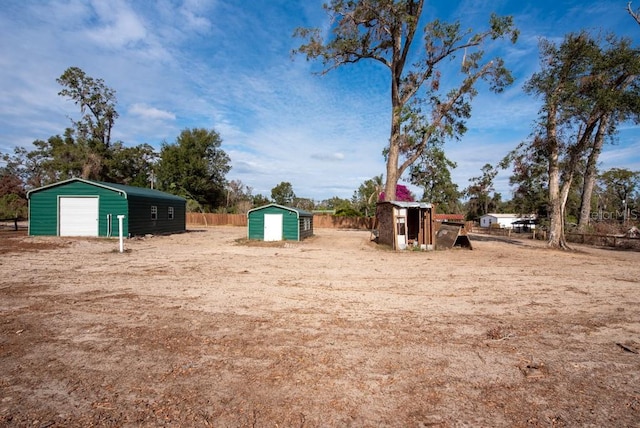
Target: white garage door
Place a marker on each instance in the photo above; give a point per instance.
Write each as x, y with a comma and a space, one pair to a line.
78, 216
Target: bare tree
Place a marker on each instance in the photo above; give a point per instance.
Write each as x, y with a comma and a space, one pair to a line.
634, 14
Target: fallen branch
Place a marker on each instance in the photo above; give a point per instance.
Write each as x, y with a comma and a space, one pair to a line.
627, 348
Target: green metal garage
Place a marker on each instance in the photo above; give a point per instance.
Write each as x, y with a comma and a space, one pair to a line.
79, 207
275, 222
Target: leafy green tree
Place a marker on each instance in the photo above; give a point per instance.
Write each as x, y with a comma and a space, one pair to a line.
283, 194
432, 172
364, 199
609, 96
195, 167
481, 193
13, 195
581, 106
22, 166
422, 110
618, 188
347, 210
92, 132
238, 197
260, 200
97, 104
332, 203
340, 206
60, 158
529, 178
557, 83
132, 165
85, 150
303, 203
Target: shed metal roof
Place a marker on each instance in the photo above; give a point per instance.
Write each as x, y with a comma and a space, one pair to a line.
120, 188
404, 204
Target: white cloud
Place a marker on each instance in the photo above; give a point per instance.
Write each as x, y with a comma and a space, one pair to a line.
117, 24
153, 113
193, 12
332, 157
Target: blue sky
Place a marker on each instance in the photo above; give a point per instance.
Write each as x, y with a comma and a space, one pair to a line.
227, 65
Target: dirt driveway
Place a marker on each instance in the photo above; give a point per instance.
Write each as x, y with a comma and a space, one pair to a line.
202, 329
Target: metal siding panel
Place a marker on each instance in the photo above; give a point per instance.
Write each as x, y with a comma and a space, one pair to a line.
290, 226
139, 216
306, 233
256, 222
43, 206
180, 216
115, 204
140, 222
43, 215
255, 225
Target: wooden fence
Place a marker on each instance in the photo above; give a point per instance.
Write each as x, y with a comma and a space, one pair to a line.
338, 222
597, 240
322, 221
319, 221
208, 219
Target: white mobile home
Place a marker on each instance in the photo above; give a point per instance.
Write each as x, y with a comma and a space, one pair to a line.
503, 221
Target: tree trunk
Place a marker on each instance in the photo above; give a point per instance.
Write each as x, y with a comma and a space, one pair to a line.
590, 175
556, 216
393, 157
392, 169
556, 207
564, 196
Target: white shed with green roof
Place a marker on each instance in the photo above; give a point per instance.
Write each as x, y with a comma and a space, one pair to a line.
275, 222
79, 207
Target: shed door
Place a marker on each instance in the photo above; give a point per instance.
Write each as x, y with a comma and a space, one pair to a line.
401, 230
78, 216
273, 227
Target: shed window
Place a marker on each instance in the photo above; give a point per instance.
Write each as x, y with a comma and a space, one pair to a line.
170, 213
306, 224
154, 212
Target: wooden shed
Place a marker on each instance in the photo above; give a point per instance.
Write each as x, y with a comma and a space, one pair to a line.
405, 225
275, 222
79, 207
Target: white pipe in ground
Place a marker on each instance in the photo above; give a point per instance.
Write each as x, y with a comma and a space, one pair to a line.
120, 218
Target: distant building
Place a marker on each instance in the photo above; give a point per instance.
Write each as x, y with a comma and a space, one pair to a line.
505, 221
275, 222
457, 218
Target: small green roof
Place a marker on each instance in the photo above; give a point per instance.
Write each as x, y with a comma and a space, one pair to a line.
121, 188
140, 191
300, 212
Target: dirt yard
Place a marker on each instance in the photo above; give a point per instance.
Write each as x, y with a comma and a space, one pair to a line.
205, 329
